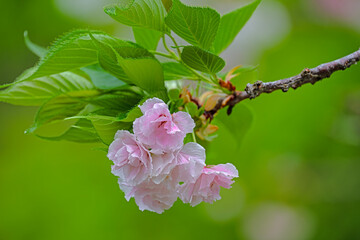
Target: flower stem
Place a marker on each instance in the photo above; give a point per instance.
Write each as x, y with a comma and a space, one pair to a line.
162, 54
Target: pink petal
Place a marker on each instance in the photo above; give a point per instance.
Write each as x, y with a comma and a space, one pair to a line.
149, 104
184, 121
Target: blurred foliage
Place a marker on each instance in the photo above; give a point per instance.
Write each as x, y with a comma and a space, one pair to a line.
298, 162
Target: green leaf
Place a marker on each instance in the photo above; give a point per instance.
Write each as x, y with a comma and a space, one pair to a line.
108, 60
196, 25
188, 138
73, 51
102, 79
176, 71
145, 73
106, 129
167, 4
37, 91
36, 49
62, 107
202, 60
147, 38
121, 101
82, 131
132, 64
131, 115
231, 24
192, 109
148, 14
174, 94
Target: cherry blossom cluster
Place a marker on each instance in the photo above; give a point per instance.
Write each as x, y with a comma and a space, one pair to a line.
155, 167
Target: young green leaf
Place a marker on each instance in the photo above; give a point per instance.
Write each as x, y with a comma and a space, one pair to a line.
176, 71
61, 107
73, 51
167, 4
202, 60
108, 60
147, 38
148, 14
109, 55
106, 129
121, 101
82, 131
36, 49
145, 73
231, 24
174, 94
192, 109
37, 91
133, 64
101, 79
196, 25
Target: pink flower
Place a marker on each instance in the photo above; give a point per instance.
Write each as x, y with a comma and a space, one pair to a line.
162, 166
132, 162
155, 167
207, 186
159, 130
190, 163
150, 196
184, 165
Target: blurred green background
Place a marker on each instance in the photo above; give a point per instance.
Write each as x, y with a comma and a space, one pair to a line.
299, 163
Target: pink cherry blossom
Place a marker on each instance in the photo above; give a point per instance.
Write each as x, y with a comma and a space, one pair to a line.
159, 130
132, 162
190, 163
207, 186
155, 167
150, 196
163, 164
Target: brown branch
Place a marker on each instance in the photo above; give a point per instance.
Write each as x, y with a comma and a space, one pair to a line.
306, 76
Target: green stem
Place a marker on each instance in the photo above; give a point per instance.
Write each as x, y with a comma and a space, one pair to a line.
194, 136
198, 88
193, 132
162, 54
167, 48
176, 45
178, 59
7, 85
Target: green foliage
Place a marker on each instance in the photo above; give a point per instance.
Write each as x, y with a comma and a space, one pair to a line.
131, 115
167, 4
82, 131
36, 49
36, 91
231, 24
72, 51
101, 79
147, 38
120, 101
192, 109
176, 71
87, 105
132, 64
202, 60
107, 128
62, 107
196, 25
174, 94
89, 83
140, 13
146, 73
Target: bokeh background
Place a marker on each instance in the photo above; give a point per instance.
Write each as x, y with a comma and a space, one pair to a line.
299, 160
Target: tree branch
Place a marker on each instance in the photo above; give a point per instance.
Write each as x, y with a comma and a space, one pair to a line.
306, 76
